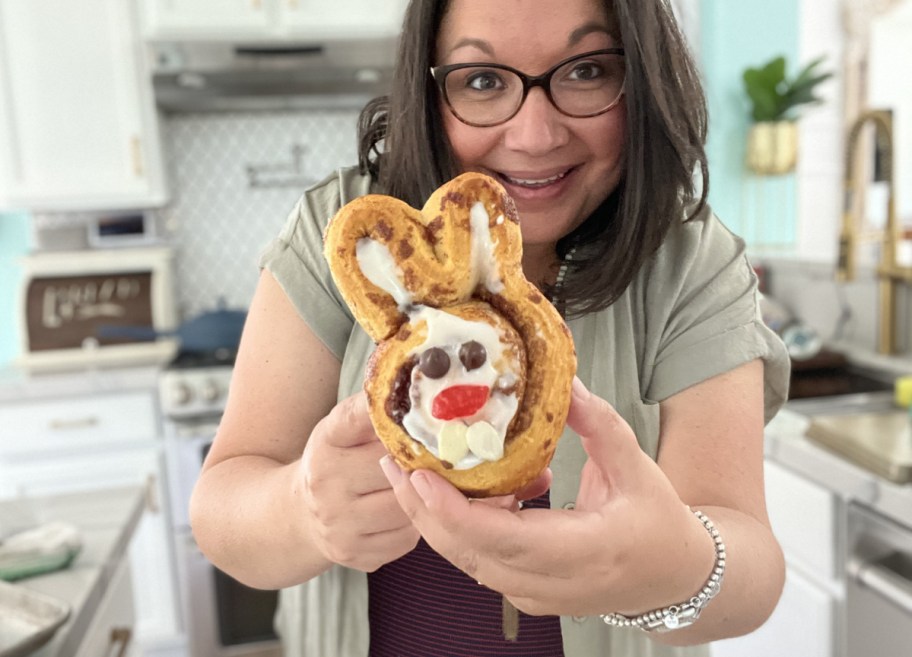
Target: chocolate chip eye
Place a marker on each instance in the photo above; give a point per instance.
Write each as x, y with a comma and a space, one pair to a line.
434, 363
473, 355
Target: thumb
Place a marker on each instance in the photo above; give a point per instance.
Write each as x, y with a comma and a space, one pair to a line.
348, 423
607, 438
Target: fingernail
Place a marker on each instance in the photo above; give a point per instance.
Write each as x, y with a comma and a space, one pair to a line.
391, 470
421, 485
579, 390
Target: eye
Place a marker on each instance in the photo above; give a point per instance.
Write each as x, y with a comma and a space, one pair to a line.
483, 80
472, 355
434, 363
586, 71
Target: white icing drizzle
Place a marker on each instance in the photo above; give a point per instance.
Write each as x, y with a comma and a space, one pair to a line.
380, 268
484, 264
500, 369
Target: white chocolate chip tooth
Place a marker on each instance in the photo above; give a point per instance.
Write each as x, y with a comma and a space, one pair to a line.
451, 442
484, 441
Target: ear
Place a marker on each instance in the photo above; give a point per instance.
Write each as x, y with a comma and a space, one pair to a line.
386, 256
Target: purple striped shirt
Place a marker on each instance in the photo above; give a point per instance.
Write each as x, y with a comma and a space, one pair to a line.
423, 606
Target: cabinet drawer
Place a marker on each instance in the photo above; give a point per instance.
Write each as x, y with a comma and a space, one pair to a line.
111, 631
34, 426
804, 519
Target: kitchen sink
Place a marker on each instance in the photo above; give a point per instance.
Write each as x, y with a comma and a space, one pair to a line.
852, 412
867, 429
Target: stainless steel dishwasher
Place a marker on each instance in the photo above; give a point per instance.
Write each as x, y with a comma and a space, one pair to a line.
879, 586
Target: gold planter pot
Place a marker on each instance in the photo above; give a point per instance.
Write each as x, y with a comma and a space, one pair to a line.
772, 147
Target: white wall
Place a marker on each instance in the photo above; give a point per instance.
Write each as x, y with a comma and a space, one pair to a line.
820, 161
890, 85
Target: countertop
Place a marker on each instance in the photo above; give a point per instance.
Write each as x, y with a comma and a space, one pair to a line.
107, 520
20, 384
785, 444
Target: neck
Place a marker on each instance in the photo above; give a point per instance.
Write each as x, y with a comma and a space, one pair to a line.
540, 263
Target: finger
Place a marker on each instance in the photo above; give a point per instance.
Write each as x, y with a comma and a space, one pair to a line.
538, 487
361, 467
378, 512
348, 423
507, 502
607, 438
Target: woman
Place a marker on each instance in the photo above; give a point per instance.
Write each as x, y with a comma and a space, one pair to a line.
598, 154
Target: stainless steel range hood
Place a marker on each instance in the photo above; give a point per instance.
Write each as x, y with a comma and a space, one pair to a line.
212, 76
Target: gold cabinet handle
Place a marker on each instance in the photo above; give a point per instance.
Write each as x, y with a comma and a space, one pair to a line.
256, 4
293, 4
136, 151
152, 494
120, 636
73, 423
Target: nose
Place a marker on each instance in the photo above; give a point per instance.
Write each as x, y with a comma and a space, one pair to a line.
538, 128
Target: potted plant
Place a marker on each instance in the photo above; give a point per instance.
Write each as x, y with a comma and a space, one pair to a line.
772, 142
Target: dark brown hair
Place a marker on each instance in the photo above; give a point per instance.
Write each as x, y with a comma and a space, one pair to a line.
404, 147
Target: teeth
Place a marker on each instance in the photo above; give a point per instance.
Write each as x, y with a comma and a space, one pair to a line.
545, 181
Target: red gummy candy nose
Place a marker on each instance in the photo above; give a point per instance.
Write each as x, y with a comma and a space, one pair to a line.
459, 401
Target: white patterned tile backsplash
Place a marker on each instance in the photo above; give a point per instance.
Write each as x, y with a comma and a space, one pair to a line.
234, 178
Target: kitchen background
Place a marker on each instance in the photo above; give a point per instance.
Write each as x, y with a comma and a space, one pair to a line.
213, 177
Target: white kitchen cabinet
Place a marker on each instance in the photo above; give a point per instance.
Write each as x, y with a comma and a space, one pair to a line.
806, 520
205, 18
61, 455
271, 19
803, 625
111, 631
78, 125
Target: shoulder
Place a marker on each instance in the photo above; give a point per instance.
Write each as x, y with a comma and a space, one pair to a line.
697, 251
701, 237
324, 198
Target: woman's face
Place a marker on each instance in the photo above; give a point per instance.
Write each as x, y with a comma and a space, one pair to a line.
556, 168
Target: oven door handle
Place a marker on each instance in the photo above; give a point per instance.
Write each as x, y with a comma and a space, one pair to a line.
886, 583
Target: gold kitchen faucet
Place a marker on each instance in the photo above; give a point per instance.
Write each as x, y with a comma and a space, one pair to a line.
889, 272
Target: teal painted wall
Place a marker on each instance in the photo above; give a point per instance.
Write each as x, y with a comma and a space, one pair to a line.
735, 34
15, 241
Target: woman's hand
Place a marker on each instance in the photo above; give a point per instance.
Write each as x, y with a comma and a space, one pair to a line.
620, 549
355, 518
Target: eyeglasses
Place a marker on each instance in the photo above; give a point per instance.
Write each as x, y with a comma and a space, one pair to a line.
485, 95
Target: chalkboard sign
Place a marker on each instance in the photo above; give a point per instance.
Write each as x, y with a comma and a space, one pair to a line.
97, 306
62, 312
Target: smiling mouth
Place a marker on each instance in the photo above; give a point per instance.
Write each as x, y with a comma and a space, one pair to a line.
535, 183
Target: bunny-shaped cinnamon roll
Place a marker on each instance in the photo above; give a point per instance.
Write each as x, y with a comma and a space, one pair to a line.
473, 366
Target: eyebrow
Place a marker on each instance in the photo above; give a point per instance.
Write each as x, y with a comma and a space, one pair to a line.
481, 44
575, 37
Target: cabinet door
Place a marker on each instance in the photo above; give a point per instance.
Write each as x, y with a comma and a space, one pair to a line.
151, 552
111, 631
77, 119
803, 624
342, 18
205, 18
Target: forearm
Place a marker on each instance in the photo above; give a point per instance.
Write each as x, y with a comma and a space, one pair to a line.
248, 519
754, 576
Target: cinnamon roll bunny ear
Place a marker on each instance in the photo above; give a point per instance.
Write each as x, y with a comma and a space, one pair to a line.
386, 256
471, 377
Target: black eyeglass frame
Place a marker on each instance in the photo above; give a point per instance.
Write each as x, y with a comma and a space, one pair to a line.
439, 73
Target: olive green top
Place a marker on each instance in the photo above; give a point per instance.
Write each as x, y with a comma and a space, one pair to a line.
690, 313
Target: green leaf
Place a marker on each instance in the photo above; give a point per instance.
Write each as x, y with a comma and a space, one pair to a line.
773, 96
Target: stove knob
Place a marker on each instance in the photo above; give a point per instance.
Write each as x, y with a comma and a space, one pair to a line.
209, 391
181, 394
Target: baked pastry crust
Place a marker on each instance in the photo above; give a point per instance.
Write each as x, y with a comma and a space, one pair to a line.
462, 255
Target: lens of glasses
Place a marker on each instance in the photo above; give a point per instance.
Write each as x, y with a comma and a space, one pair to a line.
486, 95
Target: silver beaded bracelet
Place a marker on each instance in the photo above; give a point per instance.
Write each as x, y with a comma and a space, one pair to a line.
685, 613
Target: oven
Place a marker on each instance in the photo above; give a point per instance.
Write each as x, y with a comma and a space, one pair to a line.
879, 586
224, 618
